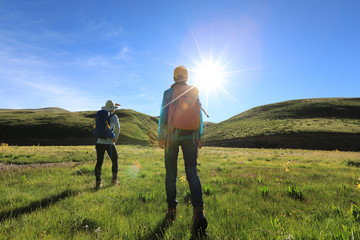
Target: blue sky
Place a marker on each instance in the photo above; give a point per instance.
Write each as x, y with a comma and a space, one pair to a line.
78, 54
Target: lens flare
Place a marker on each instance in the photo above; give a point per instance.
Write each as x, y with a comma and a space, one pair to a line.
134, 169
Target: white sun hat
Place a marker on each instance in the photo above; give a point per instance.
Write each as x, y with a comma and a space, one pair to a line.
110, 106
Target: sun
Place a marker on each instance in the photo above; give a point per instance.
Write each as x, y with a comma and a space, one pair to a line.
209, 76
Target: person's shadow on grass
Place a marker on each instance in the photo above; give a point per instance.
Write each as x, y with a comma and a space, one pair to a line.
37, 205
160, 230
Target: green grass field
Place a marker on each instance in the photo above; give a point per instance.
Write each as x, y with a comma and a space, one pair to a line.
248, 194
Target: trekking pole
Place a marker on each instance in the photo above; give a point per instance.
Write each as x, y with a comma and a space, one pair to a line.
204, 112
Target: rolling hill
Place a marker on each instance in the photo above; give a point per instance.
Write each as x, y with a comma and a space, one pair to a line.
56, 126
322, 123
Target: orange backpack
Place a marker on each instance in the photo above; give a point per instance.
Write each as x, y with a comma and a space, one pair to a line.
184, 110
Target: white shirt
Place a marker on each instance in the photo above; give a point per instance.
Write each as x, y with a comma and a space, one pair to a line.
114, 124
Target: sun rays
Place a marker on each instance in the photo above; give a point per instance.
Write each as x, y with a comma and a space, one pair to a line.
212, 79
209, 76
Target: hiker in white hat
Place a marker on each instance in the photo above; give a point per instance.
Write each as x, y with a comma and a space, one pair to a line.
109, 106
107, 132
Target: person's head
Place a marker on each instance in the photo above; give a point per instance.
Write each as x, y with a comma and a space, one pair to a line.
180, 74
110, 106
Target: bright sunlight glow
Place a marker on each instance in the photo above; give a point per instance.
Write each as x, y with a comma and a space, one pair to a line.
209, 77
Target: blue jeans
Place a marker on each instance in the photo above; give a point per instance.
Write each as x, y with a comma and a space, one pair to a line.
190, 153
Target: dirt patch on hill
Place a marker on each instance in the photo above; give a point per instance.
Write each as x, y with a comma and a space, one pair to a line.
12, 166
311, 141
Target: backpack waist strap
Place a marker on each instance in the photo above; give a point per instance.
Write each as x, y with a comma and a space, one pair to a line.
182, 132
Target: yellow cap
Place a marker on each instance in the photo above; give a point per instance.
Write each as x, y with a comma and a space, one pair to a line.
180, 74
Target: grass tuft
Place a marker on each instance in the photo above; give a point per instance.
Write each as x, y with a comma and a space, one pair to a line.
295, 192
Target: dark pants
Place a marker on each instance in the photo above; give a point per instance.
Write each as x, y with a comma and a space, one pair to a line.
190, 153
100, 152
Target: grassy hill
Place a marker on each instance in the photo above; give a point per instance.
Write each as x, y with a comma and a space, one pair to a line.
55, 126
49, 109
323, 123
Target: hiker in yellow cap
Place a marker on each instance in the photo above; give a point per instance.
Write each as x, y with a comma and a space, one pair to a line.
181, 124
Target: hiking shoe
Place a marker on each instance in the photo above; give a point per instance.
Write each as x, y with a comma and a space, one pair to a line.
200, 222
98, 185
171, 214
200, 236
114, 182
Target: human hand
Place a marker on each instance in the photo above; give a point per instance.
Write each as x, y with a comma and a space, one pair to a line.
161, 144
200, 144
114, 140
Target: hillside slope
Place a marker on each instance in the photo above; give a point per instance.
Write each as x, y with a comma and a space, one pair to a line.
323, 123
54, 126
49, 109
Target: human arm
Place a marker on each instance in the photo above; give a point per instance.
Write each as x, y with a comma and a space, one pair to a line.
200, 143
116, 126
163, 124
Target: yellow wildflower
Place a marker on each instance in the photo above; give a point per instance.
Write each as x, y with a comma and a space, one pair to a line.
183, 178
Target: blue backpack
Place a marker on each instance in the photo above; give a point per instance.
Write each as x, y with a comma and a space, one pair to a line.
102, 127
